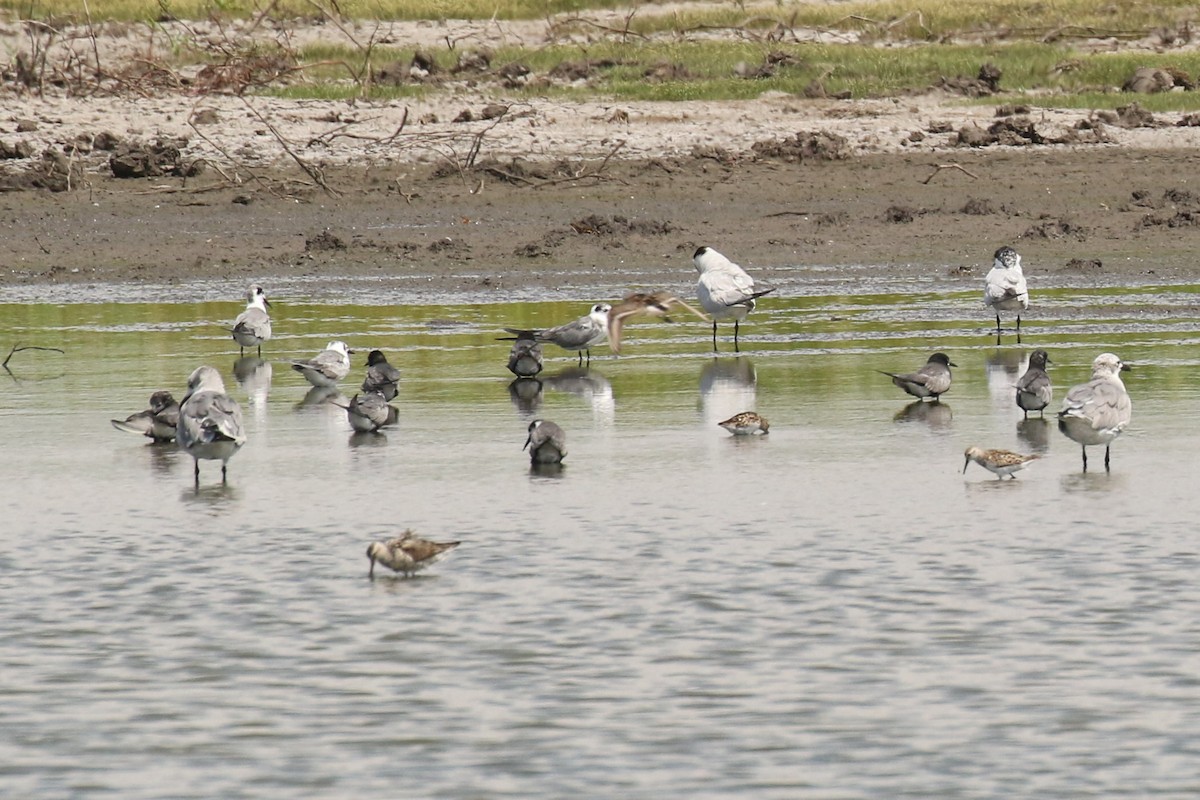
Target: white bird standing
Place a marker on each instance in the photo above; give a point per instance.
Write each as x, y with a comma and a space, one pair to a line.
1006, 289
577, 336
210, 421
1096, 412
326, 368
253, 326
724, 289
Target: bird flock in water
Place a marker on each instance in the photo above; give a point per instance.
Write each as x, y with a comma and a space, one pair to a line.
207, 422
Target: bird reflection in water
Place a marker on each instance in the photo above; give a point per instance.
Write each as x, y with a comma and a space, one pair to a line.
728, 386
937, 416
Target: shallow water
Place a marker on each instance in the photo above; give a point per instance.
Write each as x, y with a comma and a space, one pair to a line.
831, 611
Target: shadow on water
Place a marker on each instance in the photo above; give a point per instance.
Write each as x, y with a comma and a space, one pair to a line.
164, 457
1092, 481
728, 386
526, 395
214, 496
1035, 433
368, 439
318, 396
552, 471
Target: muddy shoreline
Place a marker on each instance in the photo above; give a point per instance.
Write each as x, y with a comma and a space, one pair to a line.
1105, 211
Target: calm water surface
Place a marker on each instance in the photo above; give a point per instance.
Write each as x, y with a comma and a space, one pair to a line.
831, 611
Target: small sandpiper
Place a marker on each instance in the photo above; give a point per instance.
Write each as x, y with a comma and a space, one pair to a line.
746, 423
999, 462
407, 554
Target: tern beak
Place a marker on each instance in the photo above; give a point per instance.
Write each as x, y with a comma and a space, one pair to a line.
528, 439
966, 464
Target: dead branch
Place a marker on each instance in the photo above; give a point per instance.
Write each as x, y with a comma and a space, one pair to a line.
939, 167
313, 172
17, 348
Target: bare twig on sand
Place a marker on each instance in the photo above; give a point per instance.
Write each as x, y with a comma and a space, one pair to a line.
312, 171
18, 347
581, 174
939, 167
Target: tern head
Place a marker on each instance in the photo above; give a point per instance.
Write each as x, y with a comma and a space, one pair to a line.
600, 310
1006, 258
1108, 364
255, 296
376, 357
1039, 358
160, 400
941, 358
705, 258
340, 347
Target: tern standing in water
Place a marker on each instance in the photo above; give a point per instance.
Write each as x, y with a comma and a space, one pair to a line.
725, 290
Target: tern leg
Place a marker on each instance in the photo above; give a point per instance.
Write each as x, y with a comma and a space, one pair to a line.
736, 348
1106, 469
1018, 328
714, 336
997, 323
1084, 459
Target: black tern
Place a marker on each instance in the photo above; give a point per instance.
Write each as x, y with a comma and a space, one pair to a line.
367, 412
1034, 391
158, 422
931, 380
381, 377
577, 336
525, 358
